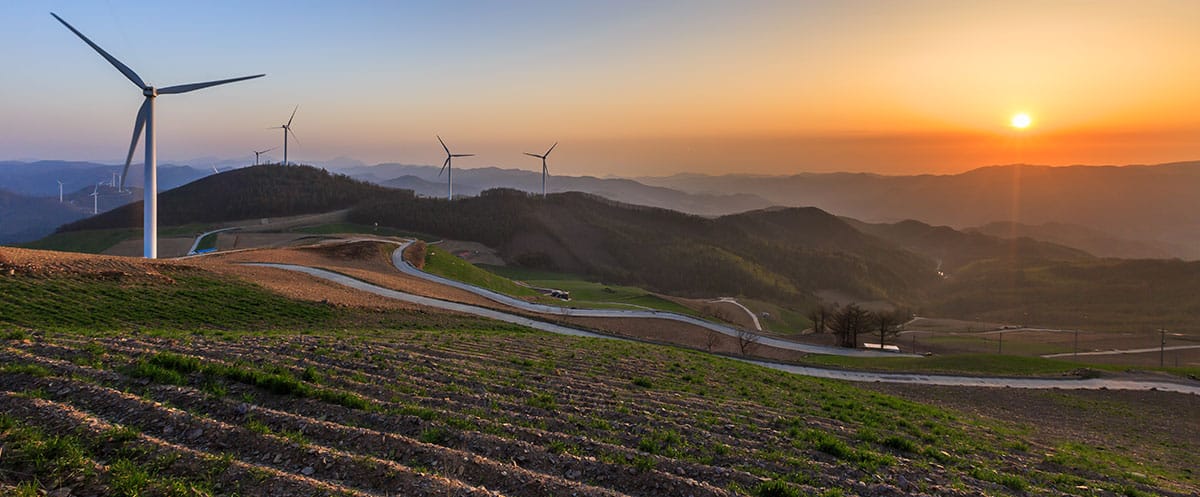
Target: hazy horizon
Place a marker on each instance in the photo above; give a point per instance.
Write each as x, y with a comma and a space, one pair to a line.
627, 89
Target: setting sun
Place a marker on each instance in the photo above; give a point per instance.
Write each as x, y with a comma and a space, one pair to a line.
1021, 121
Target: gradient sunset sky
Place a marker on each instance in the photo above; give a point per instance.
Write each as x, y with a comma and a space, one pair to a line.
628, 88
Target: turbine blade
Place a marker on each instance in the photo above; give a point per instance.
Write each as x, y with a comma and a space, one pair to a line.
196, 86
294, 137
137, 80
462, 155
138, 125
547, 154
444, 164
533, 155
293, 115
444, 145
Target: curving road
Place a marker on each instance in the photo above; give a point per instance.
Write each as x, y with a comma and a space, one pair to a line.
858, 376
406, 268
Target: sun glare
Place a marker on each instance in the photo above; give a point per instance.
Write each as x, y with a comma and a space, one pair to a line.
1021, 121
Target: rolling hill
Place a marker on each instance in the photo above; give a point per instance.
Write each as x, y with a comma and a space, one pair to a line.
1149, 203
24, 218
473, 181
954, 249
1083, 238
780, 255
247, 193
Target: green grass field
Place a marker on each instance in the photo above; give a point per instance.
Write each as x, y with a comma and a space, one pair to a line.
447, 265
589, 294
629, 416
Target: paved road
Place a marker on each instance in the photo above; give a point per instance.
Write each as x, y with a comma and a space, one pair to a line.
858, 376
431, 302
196, 243
406, 268
753, 317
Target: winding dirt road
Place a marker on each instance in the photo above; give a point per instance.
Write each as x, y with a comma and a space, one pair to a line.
1192, 388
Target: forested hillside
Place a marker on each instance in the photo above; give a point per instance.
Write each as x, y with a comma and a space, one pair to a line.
247, 193
780, 255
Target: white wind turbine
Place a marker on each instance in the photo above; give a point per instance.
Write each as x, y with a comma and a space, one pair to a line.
96, 199
545, 171
60, 185
145, 120
287, 128
258, 153
448, 168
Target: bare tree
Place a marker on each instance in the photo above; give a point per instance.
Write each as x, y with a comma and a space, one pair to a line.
888, 324
747, 340
819, 315
847, 323
711, 340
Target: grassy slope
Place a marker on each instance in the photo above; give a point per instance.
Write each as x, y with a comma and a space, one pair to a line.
588, 293
447, 265
788, 428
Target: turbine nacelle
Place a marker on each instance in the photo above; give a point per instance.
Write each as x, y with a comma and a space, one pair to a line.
150, 92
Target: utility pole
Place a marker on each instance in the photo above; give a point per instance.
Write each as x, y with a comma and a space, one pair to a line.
1000, 344
1162, 346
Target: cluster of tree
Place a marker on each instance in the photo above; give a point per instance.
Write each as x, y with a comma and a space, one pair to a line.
850, 322
247, 193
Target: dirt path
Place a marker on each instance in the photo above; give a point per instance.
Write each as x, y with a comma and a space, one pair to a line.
858, 376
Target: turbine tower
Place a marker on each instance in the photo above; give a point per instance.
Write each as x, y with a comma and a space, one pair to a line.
545, 171
258, 153
448, 168
60, 184
96, 199
145, 120
287, 128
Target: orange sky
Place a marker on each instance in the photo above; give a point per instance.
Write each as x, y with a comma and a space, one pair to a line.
638, 88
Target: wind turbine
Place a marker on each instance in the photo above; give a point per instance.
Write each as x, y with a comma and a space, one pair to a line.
287, 128
60, 184
545, 171
215, 171
145, 120
448, 168
257, 153
96, 199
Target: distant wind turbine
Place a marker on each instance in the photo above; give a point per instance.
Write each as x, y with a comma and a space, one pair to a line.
114, 180
215, 171
545, 171
258, 153
96, 199
287, 128
145, 120
60, 185
448, 168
